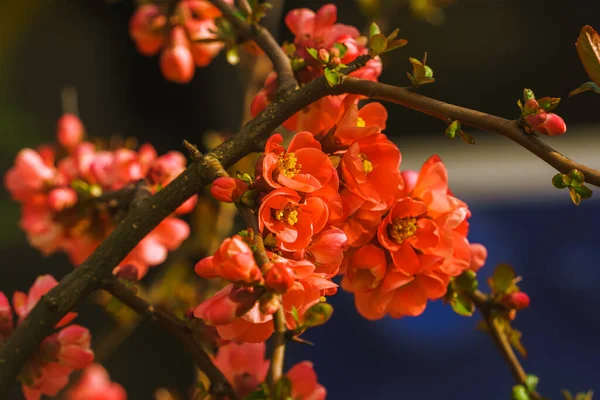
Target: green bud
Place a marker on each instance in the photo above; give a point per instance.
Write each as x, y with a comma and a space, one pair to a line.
519, 392
557, 181
466, 282
528, 95
531, 382
576, 177
317, 315
452, 129
584, 191
575, 196
549, 103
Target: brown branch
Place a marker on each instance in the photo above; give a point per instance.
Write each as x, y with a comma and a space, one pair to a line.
485, 307
141, 219
219, 386
278, 356
281, 62
477, 119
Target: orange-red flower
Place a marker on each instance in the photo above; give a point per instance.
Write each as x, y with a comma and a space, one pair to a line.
370, 170
233, 261
303, 167
359, 123
291, 220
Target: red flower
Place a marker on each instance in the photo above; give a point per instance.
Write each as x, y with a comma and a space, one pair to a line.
234, 261
293, 221
303, 167
227, 189
304, 382
546, 124
95, 384
370, 170
226, 305
243, 365
176, 60
359, 123
69, 131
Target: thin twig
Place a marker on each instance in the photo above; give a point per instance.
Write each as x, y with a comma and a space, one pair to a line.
281, 62
477, 119
485, 306
278, 356
219, 385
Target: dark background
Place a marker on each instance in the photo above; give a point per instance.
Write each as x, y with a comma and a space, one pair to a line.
483, 55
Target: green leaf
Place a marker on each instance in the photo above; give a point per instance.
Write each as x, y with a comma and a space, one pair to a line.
283, 389
379, 43
317, 315
468, 139
584, 191
514, 338
566, 394
588, 48
557, 181
466, 282
519, 392
393, 35
342, 48
528, 95
503, 278
575, 196
257, 395
395, 44
584, 88
374, 30
452, 129
295, 315
577, 178
531, 382
549, 103
462, 305
333, 77
313, 52
520, 104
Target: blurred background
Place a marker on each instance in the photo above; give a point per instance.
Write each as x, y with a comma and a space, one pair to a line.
483, 54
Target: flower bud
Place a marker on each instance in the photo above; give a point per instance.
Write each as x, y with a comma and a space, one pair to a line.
335, 61
323, 55
547, 124
279, 278
145, 28
269, 303
226, 305
530, 107
128, 272
69, 131
176, 61
334, 52
6, 318
516, 300
227, 189
62, 198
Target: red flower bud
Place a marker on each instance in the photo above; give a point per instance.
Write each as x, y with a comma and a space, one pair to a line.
547, 124
227, 189
530, 107
334, 52
323, 55
516, 300
225, 306
176, 61
61, 198
269, 303
69, 131
279, 278
128, 272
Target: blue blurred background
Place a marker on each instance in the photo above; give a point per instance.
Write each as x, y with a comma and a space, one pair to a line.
483, 54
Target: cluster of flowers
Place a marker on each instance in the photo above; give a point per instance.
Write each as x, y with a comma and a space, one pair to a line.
245, 367
48, 370
184, 36
320, 32
67, 203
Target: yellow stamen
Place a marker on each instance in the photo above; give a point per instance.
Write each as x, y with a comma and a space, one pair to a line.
288, 165
289, 215
360, 123
402, 228
366, 163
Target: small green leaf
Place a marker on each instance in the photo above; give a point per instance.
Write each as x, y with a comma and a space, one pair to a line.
503, 278
549, 103
577, 178
379, 43
528, 95
257, 395
395, 44
584, 191
462, 305
283, 389
452, 129
295, 315
588, 48
466, 282
342, 49
374, 30
575, 196
584, 88
393, 35
531, 382
520, 105
317, 315
557, 181
566, 394
468, 139
232, 55
519, 392
514, 338
333, 77
313, 52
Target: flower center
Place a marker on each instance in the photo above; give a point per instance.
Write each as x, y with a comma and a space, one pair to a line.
289, 215
288, 165
360, 123
366, 163
402, 228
